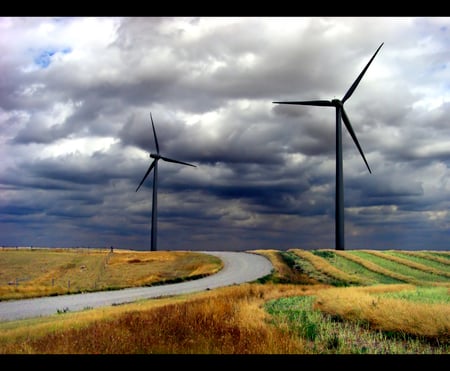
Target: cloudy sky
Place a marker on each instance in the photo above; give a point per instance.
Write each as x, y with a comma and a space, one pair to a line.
75, 132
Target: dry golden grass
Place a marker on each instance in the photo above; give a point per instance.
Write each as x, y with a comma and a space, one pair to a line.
144, 268
17, 331
386, 314
44, 272
229, 320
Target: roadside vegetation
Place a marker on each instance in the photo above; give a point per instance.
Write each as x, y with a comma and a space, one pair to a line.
35, 272
314, 302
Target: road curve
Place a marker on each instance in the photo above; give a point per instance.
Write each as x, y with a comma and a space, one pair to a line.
239, 267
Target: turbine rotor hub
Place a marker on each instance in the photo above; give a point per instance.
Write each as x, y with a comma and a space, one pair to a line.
337, 102
155, 155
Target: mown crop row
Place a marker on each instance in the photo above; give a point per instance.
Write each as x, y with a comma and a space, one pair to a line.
369, 267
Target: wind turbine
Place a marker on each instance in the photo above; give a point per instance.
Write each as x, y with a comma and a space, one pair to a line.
340, 114
154, 165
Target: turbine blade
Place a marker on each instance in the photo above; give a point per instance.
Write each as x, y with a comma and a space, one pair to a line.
321, 103
355, 84
176, 161
353, 135
154, 134
146, 174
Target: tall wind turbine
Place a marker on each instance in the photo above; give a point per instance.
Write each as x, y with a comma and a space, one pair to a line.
340, 114
154, 165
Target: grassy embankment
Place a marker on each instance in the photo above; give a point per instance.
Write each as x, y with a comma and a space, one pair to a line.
314, 302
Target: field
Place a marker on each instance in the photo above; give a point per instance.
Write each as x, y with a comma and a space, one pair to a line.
314, 302
26, 273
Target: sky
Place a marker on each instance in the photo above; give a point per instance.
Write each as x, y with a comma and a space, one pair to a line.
76, 95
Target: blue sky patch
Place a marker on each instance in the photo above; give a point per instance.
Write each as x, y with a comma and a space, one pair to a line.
45, 57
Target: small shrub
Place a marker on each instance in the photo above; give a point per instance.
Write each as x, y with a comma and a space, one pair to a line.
324, 254
61, 311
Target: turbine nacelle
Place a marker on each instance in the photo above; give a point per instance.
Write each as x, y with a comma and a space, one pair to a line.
337, 103
156, 156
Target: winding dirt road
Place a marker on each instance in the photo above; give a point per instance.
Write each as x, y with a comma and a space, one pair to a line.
239, 267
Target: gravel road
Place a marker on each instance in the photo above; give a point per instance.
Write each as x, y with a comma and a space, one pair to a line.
239, 267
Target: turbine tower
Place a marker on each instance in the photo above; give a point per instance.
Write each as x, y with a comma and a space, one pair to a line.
340, 115
154, 165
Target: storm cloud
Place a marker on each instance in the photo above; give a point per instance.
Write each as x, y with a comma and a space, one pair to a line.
76, 95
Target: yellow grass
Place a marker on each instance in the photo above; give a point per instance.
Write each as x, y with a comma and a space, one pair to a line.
42, 272
386, 314
228, 320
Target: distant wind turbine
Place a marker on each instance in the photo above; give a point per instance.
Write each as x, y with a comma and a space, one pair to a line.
154, 165
340, 114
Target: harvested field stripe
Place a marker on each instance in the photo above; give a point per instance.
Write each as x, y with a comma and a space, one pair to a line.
426, 255
408, 263
323, 266
353, 267
376, 268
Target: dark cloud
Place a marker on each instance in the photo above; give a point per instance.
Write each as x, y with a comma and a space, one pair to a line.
75, 101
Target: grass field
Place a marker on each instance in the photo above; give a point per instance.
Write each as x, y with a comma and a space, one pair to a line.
26, 273
314, 302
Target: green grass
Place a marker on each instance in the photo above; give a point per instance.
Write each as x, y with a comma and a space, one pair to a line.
329, 335
400, 268
421, 260
441, 254
429, 295
354, 268
298, 314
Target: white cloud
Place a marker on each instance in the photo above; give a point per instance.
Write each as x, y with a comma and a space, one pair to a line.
76, 94
82, 146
